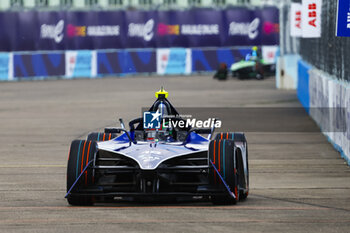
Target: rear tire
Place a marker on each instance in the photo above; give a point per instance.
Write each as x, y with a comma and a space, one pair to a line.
259, 76
240, 176
244, 195
80, 154
238, 137
101, 137
221, 153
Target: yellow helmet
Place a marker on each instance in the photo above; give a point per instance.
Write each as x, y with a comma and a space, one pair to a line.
162, 92
255, 48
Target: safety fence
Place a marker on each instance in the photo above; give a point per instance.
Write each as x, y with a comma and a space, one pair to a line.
328, 53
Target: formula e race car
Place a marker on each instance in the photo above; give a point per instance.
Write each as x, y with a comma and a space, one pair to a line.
159, 157
257, 69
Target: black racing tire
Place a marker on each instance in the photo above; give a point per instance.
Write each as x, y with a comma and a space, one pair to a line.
240, 175
244, 195
221, 153
259, 76
237, 137
101, 137
80, 154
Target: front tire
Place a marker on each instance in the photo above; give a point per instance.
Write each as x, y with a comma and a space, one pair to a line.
80, 154
221, 153
101, 137
259, 76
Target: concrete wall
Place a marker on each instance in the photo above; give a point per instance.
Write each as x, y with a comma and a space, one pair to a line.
327, 100
287, 71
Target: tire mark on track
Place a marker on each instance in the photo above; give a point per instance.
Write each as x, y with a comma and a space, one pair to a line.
303, 203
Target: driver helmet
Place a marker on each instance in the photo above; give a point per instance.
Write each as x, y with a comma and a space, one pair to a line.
255, 53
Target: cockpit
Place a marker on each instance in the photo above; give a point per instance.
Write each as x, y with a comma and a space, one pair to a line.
161, 123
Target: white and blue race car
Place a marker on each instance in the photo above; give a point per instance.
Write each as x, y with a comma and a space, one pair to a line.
143, 163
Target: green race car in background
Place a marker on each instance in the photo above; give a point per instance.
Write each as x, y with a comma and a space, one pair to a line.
257, 68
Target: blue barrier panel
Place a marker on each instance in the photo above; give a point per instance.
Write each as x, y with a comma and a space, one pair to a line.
39, 64
143, 61
109, 63
126, 62
303, 84
5, 66
209, 60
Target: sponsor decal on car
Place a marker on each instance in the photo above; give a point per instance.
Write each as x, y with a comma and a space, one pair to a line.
152, 120
192, 122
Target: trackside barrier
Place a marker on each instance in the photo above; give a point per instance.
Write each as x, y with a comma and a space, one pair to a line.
174, 61
328, 93
81, 63
303, 84
210, 59
98, 63
38, 65
6, 66
327, 101
121, 62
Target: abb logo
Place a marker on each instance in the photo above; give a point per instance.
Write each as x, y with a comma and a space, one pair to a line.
298, 19
312, 14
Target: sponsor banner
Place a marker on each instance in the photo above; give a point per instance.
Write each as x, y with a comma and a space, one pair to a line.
6, 66
251, 27
174, 61
51, 31
92, 30
295, 20
39, 65
141, 27
343, 18
124, 62
80, 63
311, 18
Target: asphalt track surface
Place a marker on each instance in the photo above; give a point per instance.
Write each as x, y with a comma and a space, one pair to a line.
298, 182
